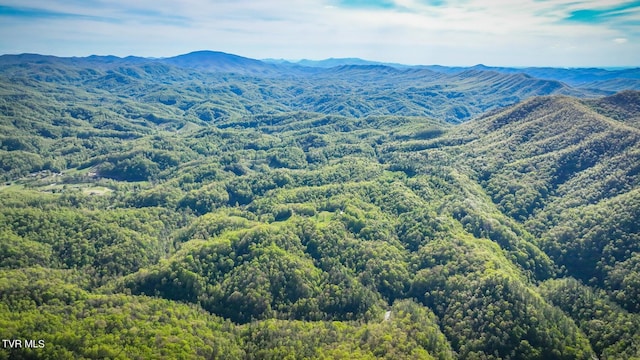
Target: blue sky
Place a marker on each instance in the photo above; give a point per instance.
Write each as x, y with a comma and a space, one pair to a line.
568, 33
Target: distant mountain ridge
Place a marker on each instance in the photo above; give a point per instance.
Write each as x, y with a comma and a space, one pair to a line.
594, 78
215, 61
349, 87
333, 62
219, 62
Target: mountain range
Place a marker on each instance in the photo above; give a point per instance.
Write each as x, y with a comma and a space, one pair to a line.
453, 94
214, 206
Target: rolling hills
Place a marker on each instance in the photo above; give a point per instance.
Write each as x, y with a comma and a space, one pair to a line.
179, 208
245, 86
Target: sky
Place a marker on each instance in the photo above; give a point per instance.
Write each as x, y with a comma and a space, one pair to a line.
560, 33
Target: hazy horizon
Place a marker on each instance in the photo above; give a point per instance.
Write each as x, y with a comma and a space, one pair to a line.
531, 33
343, 59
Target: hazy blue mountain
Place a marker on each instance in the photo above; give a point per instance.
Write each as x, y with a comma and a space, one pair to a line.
216, 61
590, 78
332, 62
581, 76
616, 84
595, 80
216, 86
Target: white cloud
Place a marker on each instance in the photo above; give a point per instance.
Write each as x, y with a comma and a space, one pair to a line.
495, 32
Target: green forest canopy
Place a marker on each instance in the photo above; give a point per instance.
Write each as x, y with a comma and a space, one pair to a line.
152, 212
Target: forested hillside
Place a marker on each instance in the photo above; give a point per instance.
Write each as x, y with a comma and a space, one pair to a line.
213, 206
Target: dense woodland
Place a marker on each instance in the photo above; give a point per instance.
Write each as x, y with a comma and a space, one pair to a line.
212, 206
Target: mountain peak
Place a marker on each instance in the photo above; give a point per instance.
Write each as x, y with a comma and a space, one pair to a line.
220, 62
209, 56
